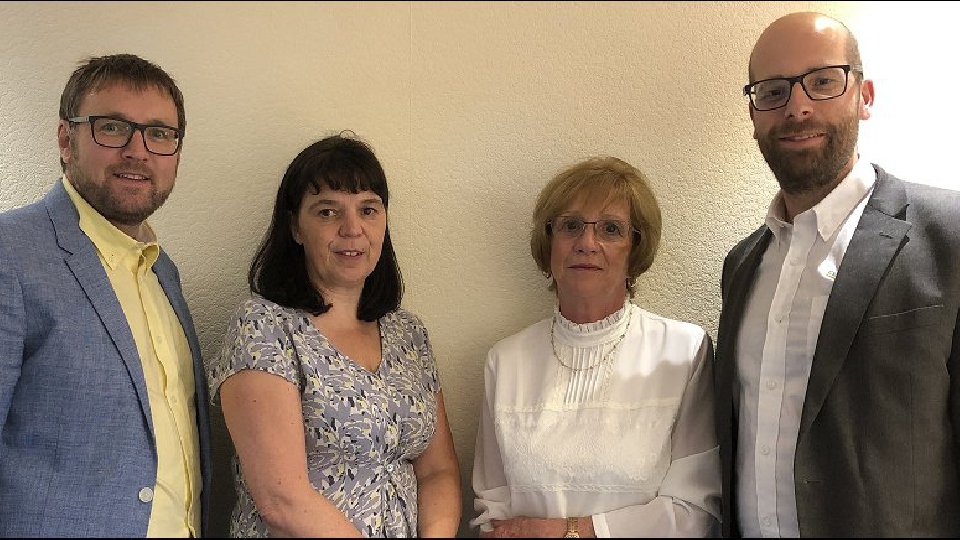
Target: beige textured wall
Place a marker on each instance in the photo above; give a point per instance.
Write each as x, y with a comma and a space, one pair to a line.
471, 107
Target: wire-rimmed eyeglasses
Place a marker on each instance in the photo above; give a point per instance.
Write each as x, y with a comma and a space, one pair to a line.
605, 230
819, 84
114, 132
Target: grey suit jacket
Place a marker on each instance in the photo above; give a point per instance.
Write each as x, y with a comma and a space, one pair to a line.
877, 452
77, 443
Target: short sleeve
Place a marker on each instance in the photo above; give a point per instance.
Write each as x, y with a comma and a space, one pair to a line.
259, 338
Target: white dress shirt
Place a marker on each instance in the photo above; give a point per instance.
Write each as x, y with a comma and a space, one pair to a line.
775, 347
630, 441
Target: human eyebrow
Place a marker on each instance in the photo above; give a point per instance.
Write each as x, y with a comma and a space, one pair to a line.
152, 122
324, 202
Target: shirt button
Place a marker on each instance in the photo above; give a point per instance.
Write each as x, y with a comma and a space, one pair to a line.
146, 495
771, 384
765, 450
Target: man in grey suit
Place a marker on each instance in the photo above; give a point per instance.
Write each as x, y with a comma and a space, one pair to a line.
103, 419
838, 354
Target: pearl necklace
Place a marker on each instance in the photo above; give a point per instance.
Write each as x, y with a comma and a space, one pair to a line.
603, 360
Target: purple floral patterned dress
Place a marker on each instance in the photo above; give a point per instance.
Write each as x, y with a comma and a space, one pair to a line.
362, 428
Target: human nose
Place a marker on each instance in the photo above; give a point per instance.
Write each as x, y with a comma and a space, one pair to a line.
134, 149
799, 103
587, 241
351, 225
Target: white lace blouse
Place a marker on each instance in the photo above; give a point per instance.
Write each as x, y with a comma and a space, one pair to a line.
612, 419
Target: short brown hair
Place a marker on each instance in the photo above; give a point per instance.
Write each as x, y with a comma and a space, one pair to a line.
603, 179
99, 72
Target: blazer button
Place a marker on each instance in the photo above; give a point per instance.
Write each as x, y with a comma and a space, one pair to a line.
146, 495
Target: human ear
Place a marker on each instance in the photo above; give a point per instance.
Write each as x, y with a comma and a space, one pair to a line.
866, 98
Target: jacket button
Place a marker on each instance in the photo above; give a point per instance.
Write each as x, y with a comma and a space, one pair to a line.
146, 494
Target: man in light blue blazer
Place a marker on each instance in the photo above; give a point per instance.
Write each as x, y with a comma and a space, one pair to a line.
103, 419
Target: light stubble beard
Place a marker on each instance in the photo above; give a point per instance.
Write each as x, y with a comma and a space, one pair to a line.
812, 169
109, 202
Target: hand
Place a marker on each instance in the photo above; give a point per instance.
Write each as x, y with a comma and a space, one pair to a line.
527, 527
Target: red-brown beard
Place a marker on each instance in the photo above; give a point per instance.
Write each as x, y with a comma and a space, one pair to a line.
802, 171
106, 201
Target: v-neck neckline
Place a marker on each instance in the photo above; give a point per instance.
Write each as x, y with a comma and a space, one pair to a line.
380, 370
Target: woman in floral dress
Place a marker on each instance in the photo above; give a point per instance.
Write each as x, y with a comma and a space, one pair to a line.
329, 389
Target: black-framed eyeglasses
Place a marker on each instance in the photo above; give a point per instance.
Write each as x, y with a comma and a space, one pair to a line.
819, 84
606, 230
116, 133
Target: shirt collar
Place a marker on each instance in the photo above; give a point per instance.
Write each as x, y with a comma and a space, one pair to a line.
114, 245
830, 213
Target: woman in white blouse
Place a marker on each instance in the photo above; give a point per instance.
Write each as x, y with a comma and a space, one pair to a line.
598, 421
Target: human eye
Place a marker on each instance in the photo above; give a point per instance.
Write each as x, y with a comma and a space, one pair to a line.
824, 79
370, 211
326, 213
161, 133
112, 126
612, 228
570, 225
770, 90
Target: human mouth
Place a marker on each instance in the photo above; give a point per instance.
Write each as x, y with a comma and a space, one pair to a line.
802, 137
130, 176
802, 141
349, 252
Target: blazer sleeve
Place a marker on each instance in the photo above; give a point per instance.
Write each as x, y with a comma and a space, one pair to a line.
12, 332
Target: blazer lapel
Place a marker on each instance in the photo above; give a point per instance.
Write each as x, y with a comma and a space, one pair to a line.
875, 243
169, 280
82, 260
738, 272
735, 295
170, 283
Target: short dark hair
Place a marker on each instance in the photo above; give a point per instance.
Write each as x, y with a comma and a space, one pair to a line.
279, 268
602, 179
99, 72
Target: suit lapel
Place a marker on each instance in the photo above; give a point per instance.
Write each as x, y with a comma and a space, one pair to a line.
735, 295
737, 280
875, 243
170, 283
82, 260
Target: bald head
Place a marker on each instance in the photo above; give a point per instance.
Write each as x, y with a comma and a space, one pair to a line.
808, 137
793, 36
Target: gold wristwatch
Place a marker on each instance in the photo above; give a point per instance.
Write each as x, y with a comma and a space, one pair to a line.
573, 528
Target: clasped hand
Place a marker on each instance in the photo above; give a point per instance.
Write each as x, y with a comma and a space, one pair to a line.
526, 527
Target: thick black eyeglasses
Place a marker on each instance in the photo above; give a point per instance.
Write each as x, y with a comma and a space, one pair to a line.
116, 133
606, 230
819, 84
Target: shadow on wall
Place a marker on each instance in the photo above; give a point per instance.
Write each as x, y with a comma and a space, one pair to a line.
223, 496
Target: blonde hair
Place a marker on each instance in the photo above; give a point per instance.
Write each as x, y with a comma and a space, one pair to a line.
600, 179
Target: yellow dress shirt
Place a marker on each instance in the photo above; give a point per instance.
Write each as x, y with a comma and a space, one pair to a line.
167, 367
